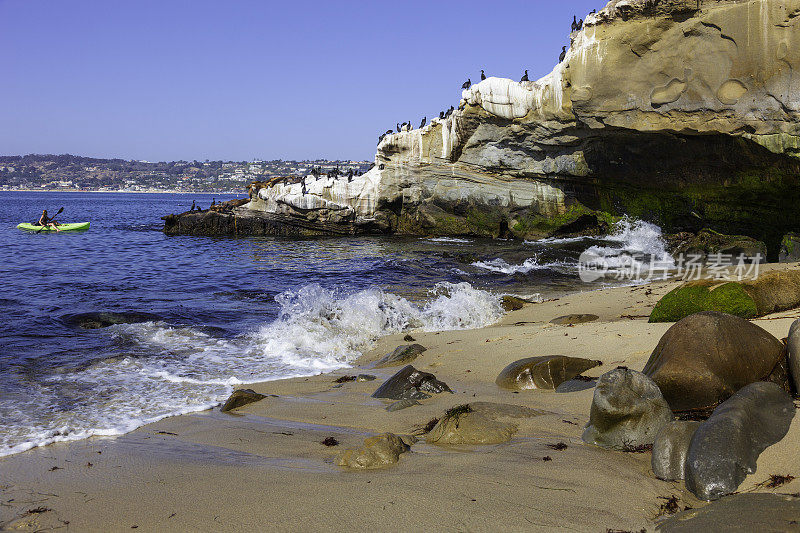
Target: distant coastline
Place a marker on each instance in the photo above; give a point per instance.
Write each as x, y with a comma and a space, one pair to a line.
126, 191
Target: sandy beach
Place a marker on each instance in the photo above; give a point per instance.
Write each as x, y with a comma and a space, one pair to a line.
264, 466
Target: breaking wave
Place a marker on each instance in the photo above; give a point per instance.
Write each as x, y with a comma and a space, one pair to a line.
165, 370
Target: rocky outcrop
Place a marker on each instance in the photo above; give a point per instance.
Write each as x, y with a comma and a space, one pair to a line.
240, 398
677, 111
478, 423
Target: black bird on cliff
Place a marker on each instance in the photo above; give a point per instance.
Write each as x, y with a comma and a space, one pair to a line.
574, 23
580, 25
524, 77
441, 115
467, 84
563, 54
398, 127
424, 121
483, 76
193, 206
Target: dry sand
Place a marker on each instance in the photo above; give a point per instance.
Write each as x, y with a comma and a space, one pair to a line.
264, 467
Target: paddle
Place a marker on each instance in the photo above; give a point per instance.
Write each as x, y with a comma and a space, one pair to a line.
53, 218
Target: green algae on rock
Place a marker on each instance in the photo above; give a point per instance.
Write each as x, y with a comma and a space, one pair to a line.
770, 293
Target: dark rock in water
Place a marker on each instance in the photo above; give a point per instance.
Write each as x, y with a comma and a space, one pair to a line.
725, 448
409, 338
240, 398
512, 303
576, 385
97, 320
707, 242
399, 405
790, 248
377, 452
743, 513
571, 320
670, 449
410, 383
401, 355
627, 410
793, 353
365, 377
546, 372
706, 357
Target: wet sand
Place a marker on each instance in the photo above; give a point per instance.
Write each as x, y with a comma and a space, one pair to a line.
265, 467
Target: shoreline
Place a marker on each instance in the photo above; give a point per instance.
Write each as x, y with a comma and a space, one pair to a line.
153, 191
265, 463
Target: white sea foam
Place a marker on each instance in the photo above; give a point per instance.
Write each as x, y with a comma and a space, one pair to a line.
503, 267
452, 240
179, 370
637, 242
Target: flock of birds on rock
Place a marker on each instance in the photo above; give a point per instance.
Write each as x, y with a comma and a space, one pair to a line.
577, 25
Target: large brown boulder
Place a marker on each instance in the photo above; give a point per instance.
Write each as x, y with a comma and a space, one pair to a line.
705, 358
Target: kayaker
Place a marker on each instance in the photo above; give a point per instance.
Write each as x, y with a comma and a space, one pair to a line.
46, 221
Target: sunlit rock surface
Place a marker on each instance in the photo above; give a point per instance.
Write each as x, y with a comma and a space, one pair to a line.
659, 110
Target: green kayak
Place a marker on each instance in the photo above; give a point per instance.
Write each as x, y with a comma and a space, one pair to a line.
74, 226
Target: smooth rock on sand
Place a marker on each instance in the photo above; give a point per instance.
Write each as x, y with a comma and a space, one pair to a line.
545, 372
725, 448
627, 410
739, 513
401, 355
377, 452
478, 423
571, 320
793, 353
410, 383
240, 398
670, 448
706, 357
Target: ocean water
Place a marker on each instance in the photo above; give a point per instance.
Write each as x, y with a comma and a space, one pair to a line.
195, 317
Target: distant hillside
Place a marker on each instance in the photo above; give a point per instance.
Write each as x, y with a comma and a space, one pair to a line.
71, 172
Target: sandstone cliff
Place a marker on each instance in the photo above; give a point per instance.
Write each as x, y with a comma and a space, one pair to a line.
682, 112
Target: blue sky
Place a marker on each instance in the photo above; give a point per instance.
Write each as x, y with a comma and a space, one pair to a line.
167, 79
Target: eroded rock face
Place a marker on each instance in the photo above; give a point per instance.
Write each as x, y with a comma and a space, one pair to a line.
670, 449
545, 372
377, 452
401, 355
239, 398
706, 357
725, 448
410, 383
634, 120
627, 410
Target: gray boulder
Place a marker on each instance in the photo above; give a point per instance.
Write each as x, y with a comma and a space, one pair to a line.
412, 384
739, 513
401, 355
724, 449
793, 351
670, 449
377, 452
627, 410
